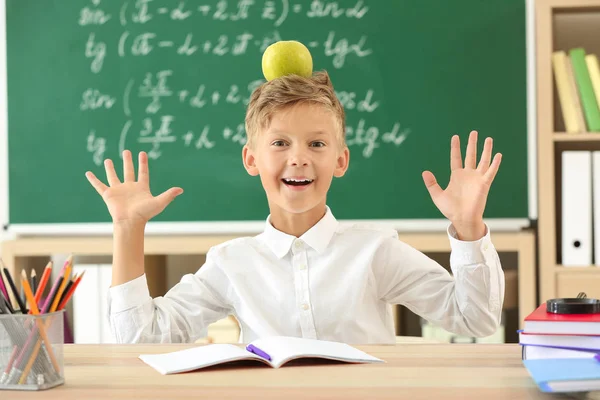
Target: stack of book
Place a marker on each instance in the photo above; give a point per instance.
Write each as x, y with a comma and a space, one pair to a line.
562, 351
577, 78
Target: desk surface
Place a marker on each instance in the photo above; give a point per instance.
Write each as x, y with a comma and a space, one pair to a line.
412, 371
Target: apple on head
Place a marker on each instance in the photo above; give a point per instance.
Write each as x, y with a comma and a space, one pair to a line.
286, 57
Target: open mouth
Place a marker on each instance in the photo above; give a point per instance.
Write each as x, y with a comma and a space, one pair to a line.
297, 182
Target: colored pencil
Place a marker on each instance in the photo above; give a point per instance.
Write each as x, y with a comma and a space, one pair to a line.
23, 297
34, 282
45, 277
3, 286
65, 281
7, 304
64, 301
51, 295
67, 288
12, 286
11, 359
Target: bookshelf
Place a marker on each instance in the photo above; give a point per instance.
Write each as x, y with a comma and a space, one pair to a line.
560, 25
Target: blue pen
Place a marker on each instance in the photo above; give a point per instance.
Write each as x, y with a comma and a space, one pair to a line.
253, 349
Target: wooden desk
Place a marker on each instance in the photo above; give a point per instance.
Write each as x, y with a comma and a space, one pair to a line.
412, 371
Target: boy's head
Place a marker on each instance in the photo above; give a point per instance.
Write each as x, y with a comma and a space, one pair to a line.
278, 94
296, 140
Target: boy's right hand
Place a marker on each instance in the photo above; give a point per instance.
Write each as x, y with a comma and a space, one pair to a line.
130, 202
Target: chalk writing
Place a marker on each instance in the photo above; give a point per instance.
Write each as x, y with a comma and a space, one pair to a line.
93, 15
96, 51
96, 146
156, 88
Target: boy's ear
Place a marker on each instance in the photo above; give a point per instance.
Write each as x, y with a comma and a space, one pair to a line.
342, 163
249, 161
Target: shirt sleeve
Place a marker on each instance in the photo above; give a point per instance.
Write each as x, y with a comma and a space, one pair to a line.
466, 302
182, 315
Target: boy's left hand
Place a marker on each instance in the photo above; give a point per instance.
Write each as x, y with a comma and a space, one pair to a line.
463, 200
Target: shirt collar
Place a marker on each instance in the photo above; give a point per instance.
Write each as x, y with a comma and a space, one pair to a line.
317, 237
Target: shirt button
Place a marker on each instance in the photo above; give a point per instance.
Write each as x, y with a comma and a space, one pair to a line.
298, 244
302, 267
305, 306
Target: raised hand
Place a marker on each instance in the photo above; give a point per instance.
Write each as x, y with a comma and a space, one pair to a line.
130, 201
463, 201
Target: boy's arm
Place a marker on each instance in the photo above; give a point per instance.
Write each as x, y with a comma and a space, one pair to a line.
181, 316
128, 252
467, 302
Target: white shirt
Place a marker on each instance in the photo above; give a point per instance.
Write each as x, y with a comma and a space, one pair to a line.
333, 283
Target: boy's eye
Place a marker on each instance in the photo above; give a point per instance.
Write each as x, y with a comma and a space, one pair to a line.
278, 143
317, 144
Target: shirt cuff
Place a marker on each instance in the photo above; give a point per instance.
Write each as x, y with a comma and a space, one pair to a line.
128, 295
469, 252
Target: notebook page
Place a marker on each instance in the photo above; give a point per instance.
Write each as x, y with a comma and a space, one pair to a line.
197, 357
283, 349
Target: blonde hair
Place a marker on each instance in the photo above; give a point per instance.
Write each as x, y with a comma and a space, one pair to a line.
287, 91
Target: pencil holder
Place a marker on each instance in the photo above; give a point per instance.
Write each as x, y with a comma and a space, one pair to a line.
31, 351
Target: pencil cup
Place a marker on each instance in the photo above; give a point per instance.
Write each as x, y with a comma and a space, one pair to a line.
31, 351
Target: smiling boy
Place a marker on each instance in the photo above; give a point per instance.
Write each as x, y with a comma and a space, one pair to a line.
306, 275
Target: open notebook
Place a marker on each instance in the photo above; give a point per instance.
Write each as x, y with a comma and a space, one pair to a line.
274, 351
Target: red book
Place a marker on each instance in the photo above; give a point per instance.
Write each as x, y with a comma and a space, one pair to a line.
540, 321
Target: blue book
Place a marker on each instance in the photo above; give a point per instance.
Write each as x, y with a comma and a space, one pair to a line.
565, 374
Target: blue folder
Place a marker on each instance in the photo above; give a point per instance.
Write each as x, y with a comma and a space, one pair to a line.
565, 374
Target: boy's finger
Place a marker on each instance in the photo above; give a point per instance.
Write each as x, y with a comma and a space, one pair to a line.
491, 173
471, 153
96, 183
431, 184
143, 173
455, 156
128, 170
486, 156
111, 175
168, 196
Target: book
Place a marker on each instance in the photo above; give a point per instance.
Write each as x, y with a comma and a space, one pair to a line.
274, 351
567, 93
541, 321
534, 352
591, 61
560, 340
565, 374
576, 97
586, 91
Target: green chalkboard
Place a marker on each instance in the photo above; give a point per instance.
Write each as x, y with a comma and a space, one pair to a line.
89, 78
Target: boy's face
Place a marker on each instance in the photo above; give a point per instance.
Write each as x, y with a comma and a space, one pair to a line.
296, 157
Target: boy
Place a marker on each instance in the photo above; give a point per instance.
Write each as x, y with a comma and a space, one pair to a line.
305, 275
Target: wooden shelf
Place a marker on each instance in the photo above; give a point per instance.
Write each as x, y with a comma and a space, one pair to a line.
559, 25
592, 269
570, 4
576, 137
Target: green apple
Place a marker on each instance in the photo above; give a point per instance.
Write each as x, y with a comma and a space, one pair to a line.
286, 57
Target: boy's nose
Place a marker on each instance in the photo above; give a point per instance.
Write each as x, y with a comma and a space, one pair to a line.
298, 163
299, 158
